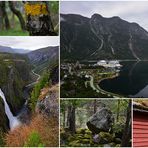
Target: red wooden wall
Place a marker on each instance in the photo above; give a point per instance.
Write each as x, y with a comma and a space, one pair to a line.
140, 129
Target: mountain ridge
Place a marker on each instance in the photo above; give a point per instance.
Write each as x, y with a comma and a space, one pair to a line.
102, 38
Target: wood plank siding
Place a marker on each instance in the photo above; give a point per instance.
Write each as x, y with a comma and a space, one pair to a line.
140, 129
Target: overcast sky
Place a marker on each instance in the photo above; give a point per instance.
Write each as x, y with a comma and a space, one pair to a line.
132, 11
30, 43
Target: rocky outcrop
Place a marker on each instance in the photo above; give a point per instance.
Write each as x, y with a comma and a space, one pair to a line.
48, 101
101, 121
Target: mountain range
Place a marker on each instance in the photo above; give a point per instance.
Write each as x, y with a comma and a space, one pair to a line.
98, 37
12, 50
40, 58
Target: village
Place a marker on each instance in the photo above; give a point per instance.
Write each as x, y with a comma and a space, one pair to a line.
88, 75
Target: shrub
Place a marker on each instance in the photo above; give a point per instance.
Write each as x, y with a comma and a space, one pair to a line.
34, 140
47, 130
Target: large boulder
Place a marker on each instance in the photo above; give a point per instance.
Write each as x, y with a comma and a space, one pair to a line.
101, 121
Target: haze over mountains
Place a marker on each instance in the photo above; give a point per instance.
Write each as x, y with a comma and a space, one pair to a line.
97, 38
40, 58
12, 50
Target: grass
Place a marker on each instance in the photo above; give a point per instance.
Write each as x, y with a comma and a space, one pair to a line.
14, 32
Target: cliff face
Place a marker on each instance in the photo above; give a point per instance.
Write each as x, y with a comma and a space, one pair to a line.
48, 101
14, 76
102, 38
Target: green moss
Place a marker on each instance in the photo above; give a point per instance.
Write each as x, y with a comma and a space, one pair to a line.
112, 144
80, 131
64, 135
105, 137
118, 145
88, 136
117, 140
75, 143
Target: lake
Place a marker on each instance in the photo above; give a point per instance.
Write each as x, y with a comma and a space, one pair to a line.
131, 82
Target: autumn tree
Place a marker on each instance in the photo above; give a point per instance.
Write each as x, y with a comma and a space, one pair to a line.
38, 18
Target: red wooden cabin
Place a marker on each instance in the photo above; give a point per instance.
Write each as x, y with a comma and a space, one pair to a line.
140, 125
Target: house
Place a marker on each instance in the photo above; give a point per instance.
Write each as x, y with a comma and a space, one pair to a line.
109, 64
140, 124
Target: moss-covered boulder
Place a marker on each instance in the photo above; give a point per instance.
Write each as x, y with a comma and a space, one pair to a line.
117, 140
118, 129
105, 137
81, 131
75, 143
112, 144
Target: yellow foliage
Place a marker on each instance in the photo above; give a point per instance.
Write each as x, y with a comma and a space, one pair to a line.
36, 9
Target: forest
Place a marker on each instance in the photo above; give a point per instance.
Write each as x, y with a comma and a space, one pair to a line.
24, 18
95, 123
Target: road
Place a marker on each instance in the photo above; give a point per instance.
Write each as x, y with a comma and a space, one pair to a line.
33, 83
99, 90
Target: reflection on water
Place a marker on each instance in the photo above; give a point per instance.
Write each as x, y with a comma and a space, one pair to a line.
132, 81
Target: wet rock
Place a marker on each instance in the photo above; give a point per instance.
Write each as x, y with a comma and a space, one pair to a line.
117, 140
101, 121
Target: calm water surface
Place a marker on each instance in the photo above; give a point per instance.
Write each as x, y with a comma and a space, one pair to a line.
132, 81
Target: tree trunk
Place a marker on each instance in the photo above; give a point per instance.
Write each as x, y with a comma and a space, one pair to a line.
95, 106
38, 19
72, 125
71, 118
118, 111
64, 117
127, 129
1, 17
4, 14
12, 20
18, 14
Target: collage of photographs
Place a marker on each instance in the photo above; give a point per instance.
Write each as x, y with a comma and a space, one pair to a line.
73, 73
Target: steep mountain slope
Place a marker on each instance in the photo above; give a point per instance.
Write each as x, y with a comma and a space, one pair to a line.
43, 57
101, 38
14, 75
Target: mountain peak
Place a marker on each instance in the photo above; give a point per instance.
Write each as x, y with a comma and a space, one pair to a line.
96, 15
103, 38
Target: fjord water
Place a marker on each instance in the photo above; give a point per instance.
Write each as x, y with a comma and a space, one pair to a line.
13, 121
132, 81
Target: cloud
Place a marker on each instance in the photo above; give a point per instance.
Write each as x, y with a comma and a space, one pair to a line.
30, 43
132, 11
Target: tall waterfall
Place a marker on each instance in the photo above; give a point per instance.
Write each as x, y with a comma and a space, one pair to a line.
13, 121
